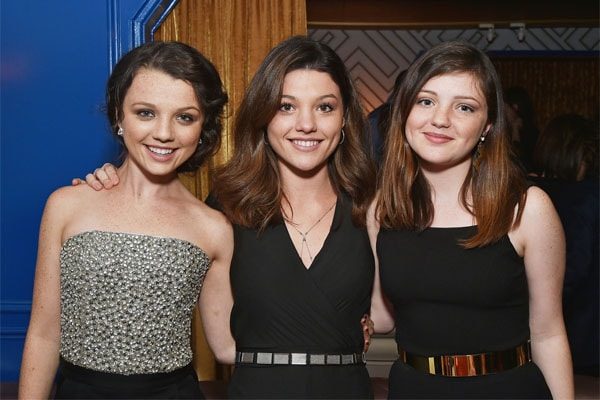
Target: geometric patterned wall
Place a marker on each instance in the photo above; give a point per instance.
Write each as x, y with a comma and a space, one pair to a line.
375, 57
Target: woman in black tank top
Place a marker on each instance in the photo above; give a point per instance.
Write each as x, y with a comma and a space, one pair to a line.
470, 259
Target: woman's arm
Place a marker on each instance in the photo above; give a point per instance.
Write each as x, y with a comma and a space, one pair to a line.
41, 352
542, 241
216, 299
381, 309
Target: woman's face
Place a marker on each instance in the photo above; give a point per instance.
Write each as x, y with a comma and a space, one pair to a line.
161, 122
306, 129
447, 120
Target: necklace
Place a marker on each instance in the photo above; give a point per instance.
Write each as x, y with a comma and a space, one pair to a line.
303, 235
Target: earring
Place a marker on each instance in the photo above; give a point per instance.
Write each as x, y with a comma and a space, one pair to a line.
343, 137
200, 141
478, 151
120, 131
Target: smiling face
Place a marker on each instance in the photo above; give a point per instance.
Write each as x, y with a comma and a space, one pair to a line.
161, 121
306, 129
447, 120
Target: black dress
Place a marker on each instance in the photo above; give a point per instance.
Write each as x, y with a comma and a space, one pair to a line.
450, 300
281, 306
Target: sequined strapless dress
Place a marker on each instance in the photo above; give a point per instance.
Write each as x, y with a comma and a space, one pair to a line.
126, 309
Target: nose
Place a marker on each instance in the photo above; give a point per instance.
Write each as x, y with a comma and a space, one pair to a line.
440, 117
305, 121
164, 131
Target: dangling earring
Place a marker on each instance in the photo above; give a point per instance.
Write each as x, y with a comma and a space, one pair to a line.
200, 140
343, 137
120, 131
478, 151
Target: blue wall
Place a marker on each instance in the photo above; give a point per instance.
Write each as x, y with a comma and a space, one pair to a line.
55, 59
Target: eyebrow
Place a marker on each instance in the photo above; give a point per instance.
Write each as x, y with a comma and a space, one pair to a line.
457, 97
184, 108
325, 96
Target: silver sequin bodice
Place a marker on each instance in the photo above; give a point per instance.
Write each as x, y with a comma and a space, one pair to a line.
127, 301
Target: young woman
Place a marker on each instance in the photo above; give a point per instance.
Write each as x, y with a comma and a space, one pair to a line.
119, 272
470, 258
297, 189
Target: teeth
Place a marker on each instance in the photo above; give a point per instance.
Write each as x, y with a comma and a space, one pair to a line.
306, 143
160, 151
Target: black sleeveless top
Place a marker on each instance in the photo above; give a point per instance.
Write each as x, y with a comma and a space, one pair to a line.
280, 306
452, 300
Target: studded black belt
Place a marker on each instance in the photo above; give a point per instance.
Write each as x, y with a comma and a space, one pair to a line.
265, 358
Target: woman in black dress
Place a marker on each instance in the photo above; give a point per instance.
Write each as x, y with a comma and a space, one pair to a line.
475, 291
297, 189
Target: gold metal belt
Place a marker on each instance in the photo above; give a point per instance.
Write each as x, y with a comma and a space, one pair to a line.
469, 364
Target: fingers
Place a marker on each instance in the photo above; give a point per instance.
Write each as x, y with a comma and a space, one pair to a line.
93, 182
103, 178
111, 172
367, 327
77, 181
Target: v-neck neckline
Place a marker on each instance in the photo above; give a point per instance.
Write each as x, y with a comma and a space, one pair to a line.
317, 256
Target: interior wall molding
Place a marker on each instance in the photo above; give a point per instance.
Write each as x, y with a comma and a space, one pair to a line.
15, 318
132, 23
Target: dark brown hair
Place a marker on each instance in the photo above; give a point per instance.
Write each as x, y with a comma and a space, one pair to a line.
568, 144
179, 61
248, 187
494, 183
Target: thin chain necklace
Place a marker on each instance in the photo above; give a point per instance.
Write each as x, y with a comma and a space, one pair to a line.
303, 235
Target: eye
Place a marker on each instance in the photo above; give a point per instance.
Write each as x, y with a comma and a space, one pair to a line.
466, 108
186, 118
286, 107
145, 114
325, 107
425, 102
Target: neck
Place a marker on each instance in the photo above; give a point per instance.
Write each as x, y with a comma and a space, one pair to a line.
141, 185
446, 183
309, 188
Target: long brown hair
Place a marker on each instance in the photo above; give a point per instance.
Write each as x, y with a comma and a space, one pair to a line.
494, 183
248, 187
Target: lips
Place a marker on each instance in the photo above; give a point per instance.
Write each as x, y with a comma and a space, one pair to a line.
437, 137
160, 150
305, 144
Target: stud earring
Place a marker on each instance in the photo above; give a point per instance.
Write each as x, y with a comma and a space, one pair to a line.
120, 131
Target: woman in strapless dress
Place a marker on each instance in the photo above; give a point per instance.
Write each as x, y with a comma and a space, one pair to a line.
119, 272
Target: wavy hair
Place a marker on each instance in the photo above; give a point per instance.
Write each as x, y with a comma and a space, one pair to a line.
179, 61
494, 184
249, 187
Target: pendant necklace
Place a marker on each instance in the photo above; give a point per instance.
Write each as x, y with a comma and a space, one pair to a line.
303, 235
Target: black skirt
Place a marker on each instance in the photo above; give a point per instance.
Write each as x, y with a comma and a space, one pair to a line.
75, 382
524, 382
